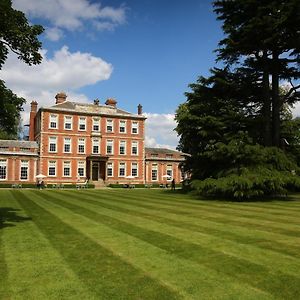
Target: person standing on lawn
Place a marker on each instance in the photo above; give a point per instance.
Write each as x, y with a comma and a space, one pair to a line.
173, 185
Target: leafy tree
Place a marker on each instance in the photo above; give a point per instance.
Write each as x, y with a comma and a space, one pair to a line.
221, 122
19, 37
10, 107
264, 35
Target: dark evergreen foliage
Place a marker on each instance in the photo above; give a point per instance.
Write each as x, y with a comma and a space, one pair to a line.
232, 118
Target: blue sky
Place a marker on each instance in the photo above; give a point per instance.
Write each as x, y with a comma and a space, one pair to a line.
136, 51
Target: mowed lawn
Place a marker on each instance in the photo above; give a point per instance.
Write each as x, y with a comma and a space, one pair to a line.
146, 244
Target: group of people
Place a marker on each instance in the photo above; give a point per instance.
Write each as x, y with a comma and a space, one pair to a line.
40, 184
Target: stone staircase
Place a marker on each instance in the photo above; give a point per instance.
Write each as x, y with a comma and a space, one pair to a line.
99, 184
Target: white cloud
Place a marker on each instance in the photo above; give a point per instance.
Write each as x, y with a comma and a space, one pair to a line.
160, 131
296, 110
66, 70
54, 34
72, 15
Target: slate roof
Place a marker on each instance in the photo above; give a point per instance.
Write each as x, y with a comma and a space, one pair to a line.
90, 108
162, 151
18, 144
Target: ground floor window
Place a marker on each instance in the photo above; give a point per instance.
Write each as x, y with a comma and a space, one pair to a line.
154, 173
52, 168
67, 168
134, 169
3, 169
81, 169
121, 169
24, 169
109, 169
169, 172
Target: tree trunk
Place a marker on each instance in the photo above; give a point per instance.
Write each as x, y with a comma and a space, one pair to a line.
266, 110
276, 105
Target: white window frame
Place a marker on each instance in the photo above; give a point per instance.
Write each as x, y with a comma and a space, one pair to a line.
81, 165
3, 164
137, 169
111, 164
169, 172
135, 125
68, 122
24, 164
154, 167
82, 121
51, 143
134, 144
110, 122
52, 164
67, 165
124, 123
51, 120
112, 146
69, 143
122, 163
81, 142
122, 144
96, 122
95, 143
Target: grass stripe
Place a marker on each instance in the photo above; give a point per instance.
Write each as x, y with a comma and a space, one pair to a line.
289, 230
235, 248
187, 223
5, 221
241, 269
32, 262
179, 199
108, 276
195, 279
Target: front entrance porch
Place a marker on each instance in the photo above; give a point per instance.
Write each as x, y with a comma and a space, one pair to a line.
96, 168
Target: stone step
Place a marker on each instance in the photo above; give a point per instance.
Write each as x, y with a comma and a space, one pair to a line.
99, 184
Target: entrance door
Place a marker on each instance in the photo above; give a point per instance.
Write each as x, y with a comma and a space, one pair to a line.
102, 170
95, 171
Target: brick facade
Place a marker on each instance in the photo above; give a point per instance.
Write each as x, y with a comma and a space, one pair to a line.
74, 142
163, 165
18, 161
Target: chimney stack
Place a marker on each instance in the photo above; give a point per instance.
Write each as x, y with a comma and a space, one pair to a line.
111, 102
140, 109
60, 97
33, 106
33, 112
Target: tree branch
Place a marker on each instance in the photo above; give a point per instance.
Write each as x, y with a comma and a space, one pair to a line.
293, 89
9, 46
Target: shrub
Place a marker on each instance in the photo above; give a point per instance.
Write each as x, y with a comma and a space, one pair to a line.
248, 185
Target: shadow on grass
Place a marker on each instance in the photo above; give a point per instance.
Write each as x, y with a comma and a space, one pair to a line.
247, 200
285, 198
9, 216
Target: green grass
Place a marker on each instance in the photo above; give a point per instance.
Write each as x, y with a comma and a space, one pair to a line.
146, 244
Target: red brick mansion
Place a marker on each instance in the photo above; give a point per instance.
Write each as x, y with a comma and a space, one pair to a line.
72, 142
